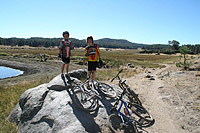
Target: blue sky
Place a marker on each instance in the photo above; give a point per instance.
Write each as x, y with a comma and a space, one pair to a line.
141, 21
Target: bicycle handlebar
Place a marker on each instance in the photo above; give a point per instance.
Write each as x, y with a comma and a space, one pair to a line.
117, 75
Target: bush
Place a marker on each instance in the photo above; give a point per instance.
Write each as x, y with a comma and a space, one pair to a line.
169, 52
4, 54
179, 64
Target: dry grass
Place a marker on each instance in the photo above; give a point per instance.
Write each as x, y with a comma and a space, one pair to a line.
9, 94
114, 58
9, 97
108, 74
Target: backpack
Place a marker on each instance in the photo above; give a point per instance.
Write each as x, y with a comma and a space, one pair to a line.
100, 63
63, 49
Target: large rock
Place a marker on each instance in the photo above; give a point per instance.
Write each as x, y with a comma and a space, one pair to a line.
79, 74
49, 108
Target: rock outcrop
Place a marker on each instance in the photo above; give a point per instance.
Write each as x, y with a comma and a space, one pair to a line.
49, 108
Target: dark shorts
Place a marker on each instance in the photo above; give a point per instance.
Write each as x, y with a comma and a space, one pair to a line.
92, 65
65, 60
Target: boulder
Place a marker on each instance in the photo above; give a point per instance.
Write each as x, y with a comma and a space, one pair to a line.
130, 65
148, 76
79, 74
152, 78
178, 73
197, 74
163, 74
49, 108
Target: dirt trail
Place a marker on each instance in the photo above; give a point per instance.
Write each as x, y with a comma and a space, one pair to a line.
148, 91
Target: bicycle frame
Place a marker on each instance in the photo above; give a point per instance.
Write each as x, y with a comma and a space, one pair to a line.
124, 86
121, 83
121, 114
129, 117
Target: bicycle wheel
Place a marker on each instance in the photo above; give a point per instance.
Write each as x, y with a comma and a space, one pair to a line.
85, 101
107, 90
143, 116
132, 96
115, 124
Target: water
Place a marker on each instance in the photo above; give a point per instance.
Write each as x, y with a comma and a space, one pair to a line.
6, 72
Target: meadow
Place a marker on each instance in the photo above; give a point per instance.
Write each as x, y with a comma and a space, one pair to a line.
113, 60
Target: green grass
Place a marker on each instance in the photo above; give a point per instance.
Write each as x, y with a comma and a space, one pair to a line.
9, 97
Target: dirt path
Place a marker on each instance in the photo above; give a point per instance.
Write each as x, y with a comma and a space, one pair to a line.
148, 91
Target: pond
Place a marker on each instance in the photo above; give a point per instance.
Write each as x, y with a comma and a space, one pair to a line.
6, 72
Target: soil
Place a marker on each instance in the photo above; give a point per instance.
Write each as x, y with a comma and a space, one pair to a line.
173, 99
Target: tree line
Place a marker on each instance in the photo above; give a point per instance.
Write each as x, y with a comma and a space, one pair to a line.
52, 42
38, 42
171, 48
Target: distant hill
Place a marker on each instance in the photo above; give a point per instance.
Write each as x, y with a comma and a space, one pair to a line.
118, 43
51, 42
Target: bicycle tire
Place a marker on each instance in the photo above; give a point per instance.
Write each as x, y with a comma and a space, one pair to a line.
107, 90
132, 96
113, 122
145, 119
77, 98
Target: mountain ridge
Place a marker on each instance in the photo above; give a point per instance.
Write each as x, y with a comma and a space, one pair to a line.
51, 42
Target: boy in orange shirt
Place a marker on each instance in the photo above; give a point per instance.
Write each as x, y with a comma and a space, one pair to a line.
92, 51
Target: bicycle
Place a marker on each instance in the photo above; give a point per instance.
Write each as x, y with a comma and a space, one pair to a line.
86, 96
119, 121
133, 97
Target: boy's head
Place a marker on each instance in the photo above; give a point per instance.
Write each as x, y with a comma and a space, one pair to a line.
90, 39
66, 35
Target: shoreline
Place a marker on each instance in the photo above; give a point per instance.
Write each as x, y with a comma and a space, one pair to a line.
33, 69
18, 66
20, 72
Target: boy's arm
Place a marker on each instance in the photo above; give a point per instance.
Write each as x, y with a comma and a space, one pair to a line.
98, 51
86, 52
59, 51
99, 55
72, 47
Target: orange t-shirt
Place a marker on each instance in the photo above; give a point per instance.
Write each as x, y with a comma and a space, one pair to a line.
92, 52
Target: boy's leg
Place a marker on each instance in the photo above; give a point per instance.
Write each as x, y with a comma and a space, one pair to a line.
62, 68
88, 76
67, 68
89, 72
93, 75
93, 70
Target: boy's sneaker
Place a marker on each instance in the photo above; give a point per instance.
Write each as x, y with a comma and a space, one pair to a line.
68, 78
62, 76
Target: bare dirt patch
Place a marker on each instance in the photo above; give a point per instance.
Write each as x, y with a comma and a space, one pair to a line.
173, 98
